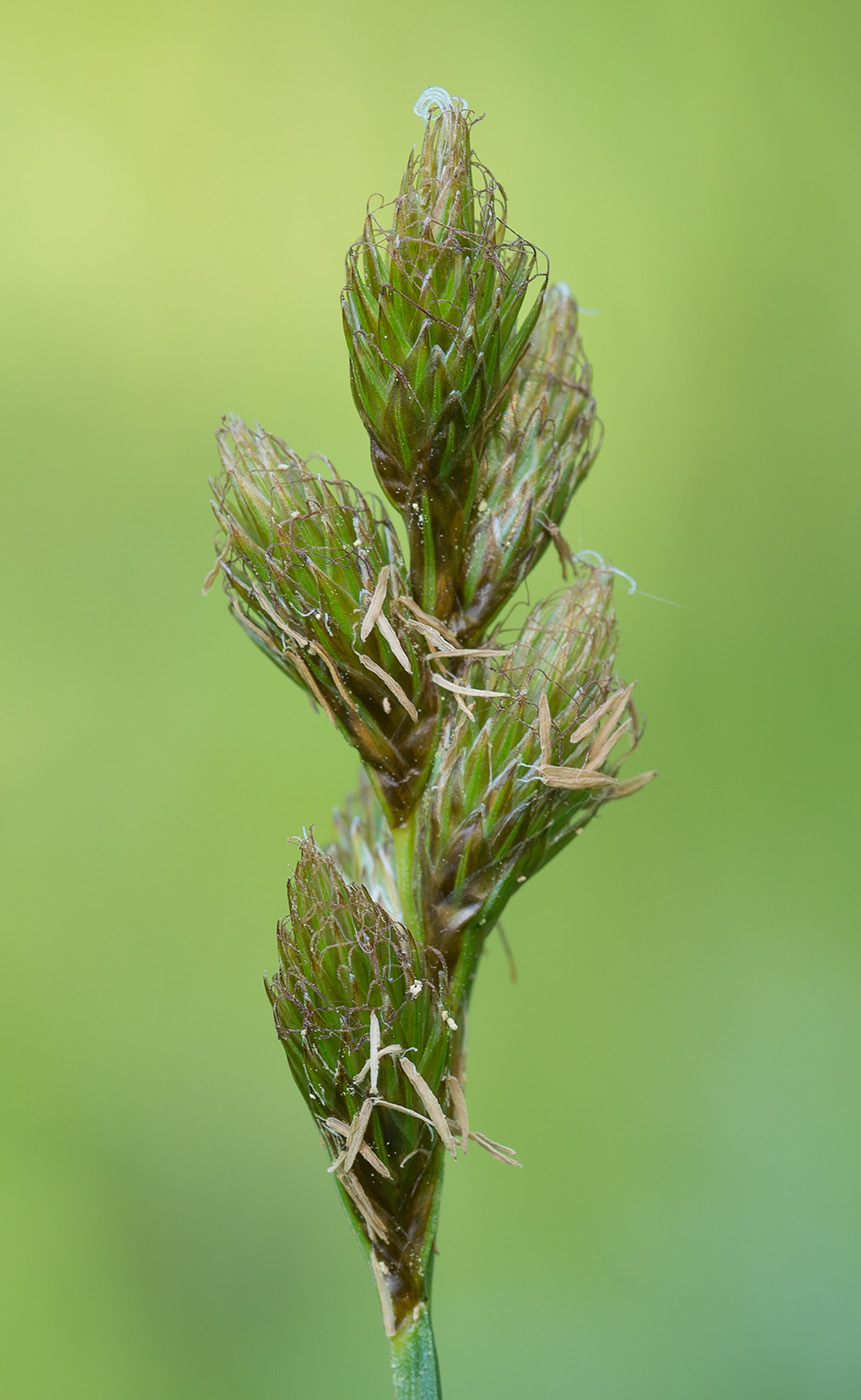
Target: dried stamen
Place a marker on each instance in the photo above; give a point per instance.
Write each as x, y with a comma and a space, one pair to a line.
429, 633
469, 651
597, 755
634, 784
355, 1138
386, 1050
614, 710
389, 681
429, 1099
573, 778
391, 636
375, 1052
465, 709
458, 1103
502, 1154
428, 619
375, 606
342, 1129
585, 729
374, 1222
402, 1108
457, 689
544, 727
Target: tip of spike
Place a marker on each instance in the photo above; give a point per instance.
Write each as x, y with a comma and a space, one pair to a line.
438, 97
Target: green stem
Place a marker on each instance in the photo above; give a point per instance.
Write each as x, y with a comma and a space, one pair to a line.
405, 842
414, 1365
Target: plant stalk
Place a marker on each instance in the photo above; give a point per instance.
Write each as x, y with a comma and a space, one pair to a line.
405, 843
415, 1369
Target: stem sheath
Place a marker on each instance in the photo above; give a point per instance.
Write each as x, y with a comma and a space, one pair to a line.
415, 1369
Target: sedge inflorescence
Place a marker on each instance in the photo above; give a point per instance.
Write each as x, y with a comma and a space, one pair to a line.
487, 743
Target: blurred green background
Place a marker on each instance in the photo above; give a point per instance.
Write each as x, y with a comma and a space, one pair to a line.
678, 1063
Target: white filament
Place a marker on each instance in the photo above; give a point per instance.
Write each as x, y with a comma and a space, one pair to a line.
438, 97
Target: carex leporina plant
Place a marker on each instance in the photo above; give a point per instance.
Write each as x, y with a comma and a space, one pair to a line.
486, 746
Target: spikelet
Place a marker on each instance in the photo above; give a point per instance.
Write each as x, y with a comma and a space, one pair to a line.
364, 849
536, 761
301, 556
361, 1010
431, 308
533, 462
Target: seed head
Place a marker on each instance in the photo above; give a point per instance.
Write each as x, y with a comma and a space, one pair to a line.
533, 462
364, 848
431, 307
519, 779
361, 1010
484, 751
302, 557
342, 956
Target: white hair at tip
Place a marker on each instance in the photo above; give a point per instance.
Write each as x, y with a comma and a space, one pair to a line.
438, 97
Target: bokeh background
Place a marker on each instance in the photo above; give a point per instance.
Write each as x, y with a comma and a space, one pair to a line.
678, 1063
